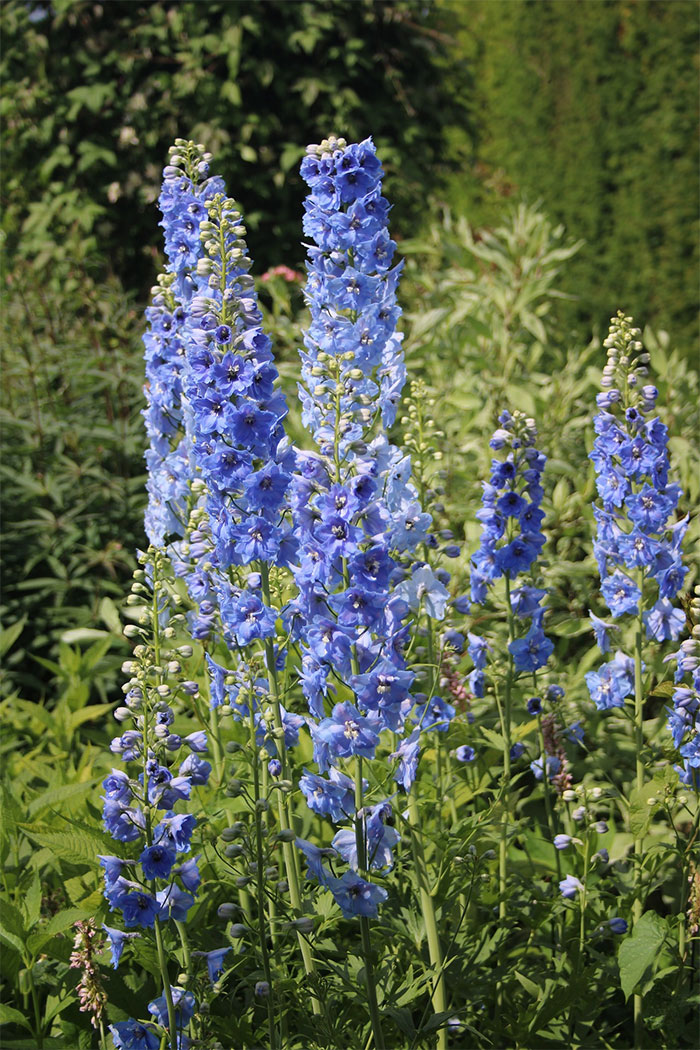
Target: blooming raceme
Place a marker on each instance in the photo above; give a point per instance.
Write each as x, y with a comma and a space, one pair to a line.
186, 188
638, 541
511, 539
684, 716
158, 882
354, 507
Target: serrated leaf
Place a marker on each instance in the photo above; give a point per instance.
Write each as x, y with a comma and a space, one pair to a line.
639, 951
11, 920
493, 738
55, 796
77, 846
32, 902
663, 689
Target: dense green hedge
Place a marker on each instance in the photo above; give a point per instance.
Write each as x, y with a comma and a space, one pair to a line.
593, 109
96, 92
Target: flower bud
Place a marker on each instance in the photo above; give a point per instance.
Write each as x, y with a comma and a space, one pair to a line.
227, 910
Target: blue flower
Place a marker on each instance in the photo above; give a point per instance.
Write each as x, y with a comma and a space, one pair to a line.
183, 1001
465, 753
601, 630
333, 796
531, 652
663, 622
133, 1035
570, 886
617, 925
408, 753
611, 684
355, 896
621, 594
117, 940
215, 961
157, 861
174, 904
348, 733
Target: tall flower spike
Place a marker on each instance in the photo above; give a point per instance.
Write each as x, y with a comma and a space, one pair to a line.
186, 186
511, 539
638, 541
347, 499
234, 415
684, 717
156, 885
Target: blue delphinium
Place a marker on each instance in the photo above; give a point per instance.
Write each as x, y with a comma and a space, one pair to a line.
234, 415
684, 716
638, 541
353, 501
186, 188
158, 882
511, 539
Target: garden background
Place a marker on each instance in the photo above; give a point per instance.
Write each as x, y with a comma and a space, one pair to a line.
541, 158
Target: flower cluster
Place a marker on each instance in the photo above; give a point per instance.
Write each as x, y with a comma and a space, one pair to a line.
235, 422
91, 992
684, 717
511, 539
140, 806
186, 188
638, 541
354, 507
353, 366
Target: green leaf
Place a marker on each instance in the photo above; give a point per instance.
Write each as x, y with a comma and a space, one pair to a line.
109, 614
58, 923
82, 634
8, 1015
32, 902
9, 635
642, 808
530, 987
493, 738
663, 689
639, 951
55, 796
76, 845
12, 925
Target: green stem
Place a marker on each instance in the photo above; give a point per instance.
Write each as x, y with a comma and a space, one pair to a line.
39, 1031
685, 892
360, 842
638, 744
573, 1013
260, 881
439, 995
282, 810
184, 941
163, 964
216, 748
548, 795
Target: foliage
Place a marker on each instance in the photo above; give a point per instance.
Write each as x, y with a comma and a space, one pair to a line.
99, 91
72, 474
485, 331
592, 108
